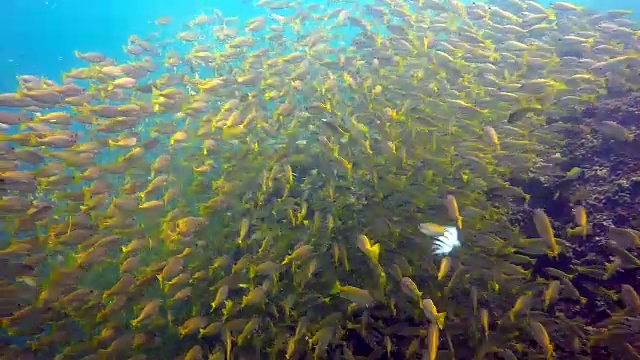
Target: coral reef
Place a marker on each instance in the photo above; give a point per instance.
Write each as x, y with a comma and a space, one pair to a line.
608, 186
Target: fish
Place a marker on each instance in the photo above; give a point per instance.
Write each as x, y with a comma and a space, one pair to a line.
543, 226
522, 112
542, 338
357, 295
432, 313
222, 174
452, 208
445, 266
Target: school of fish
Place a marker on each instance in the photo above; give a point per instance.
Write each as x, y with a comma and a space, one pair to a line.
281, 188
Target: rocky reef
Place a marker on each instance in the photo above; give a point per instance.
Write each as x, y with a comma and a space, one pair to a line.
608, 187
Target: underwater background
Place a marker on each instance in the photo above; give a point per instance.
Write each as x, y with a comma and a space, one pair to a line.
370, 183
41, 36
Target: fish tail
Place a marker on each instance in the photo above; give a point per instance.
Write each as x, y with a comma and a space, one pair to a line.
345, 260
103, 354
160, 280
69, 227
77, 258
33, 140
374, 252
440, 319
551, 14
77, 177
334, 150
336, 288
87, 194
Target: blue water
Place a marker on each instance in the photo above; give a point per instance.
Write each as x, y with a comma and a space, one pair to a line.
40, 36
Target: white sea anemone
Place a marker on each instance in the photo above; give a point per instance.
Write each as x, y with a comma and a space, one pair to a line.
446, 237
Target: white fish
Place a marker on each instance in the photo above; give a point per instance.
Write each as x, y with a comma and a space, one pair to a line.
446, 237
